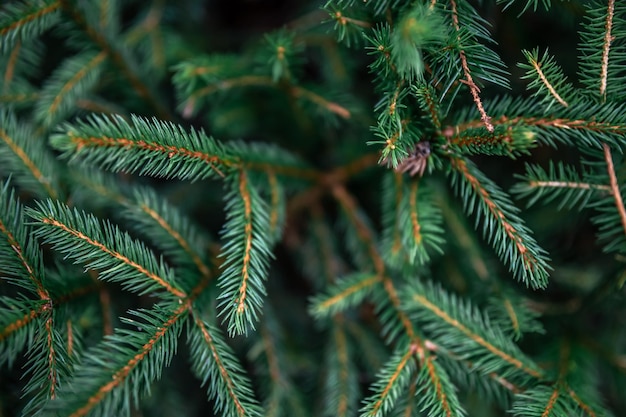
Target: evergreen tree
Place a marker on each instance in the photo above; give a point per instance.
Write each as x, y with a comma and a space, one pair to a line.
350, 208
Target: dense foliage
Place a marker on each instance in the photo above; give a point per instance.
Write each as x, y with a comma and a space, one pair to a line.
373, 208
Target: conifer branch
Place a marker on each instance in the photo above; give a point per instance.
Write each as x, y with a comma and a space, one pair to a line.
341, 389
568, 184
502, 225
158, 148
545, 122
22, 265
274, 202
32, 155
415, 222
615, 190
21, 98
114, 254
262, 81
105, 302
98, 390
465, 240
478, 339
453, 353
118, 59
213, 362
20, 322
469, 81
29, 268
26, 21
36, 14
184, 244
172, 232
347, 292
436, 391
65, 87
435, 302
120, 259
349, 205
395, 376
275, 372
32, 167
343, 356
583, 406
608, 39
12, 61
247, 212
247, 253
537, 67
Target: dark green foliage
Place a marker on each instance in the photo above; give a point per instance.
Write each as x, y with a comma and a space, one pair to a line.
328, 208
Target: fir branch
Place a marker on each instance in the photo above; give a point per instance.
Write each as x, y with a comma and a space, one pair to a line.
247, 253
615, 189
433, 306
25, 265
469, 80
392, 196
20, 99
364, 234
20, 260
601, 59
347, 292
295, 91
102, 246
281, 394
423, 236
512, 314
119, 59
20, 22
502, 228
505, 140
543, 401
214, 362
172, 232
547, 70
270, 159
606, 47
148, 147
429, 103
18, 326
67, 85
348, 28
11, 63
125, 364
560, 181
46, 363
277, 205
463, 236
341, 384
25, 155
391, 381
21, 65
436, 392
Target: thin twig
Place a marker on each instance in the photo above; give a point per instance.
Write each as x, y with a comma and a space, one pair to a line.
469, 81
537, 66
617, 196
608, 38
